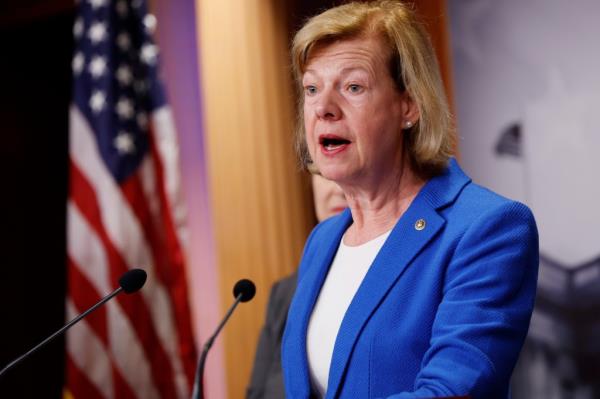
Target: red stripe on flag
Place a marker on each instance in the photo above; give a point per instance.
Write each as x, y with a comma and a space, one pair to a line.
122, 388
84, 296
82, 194
166, 270
178, 283
79, 384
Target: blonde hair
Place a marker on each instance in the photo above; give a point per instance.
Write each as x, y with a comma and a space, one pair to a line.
413, 66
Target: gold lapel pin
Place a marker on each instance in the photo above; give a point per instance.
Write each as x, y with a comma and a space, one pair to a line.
420, 224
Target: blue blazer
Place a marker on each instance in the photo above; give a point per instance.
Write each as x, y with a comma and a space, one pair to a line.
443, 310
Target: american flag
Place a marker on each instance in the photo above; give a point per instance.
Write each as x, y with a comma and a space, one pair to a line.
124, 211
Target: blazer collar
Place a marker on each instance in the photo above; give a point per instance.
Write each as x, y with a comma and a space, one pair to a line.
403, 244
443, 189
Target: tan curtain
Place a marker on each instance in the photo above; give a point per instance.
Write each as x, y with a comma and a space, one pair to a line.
261, 204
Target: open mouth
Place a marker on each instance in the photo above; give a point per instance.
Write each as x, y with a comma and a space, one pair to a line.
332, 143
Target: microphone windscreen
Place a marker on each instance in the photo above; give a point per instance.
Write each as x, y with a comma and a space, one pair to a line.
132, 280
246, 288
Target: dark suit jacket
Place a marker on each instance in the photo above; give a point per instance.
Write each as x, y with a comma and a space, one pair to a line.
443, 309
267, 377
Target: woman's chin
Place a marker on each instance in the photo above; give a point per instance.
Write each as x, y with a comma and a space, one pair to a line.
335, 174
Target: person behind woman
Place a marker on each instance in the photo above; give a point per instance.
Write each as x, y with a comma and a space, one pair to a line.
425, 286
266, 381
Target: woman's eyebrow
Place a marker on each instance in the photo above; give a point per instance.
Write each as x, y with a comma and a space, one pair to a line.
343, 71
349, 69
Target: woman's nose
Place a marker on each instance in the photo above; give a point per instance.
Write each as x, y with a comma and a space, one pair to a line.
327, 107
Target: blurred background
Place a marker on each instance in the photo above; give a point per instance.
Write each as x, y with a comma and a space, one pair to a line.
521, 77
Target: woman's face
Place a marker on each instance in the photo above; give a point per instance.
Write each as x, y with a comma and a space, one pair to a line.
353, 112
328, 196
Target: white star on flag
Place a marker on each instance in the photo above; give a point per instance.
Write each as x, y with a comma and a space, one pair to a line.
124, 143
123, 41
97, 32
124, 75
124, 108
97, 3
149, 53
78, 62
78, 28
97, 67
97, 101
150, 23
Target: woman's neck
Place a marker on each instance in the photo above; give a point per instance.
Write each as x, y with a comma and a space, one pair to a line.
377, 207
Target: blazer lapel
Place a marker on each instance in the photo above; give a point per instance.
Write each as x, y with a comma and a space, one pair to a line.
403, 244
406, 240
307, 292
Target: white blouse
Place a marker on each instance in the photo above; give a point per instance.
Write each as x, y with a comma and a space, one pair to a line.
349, 267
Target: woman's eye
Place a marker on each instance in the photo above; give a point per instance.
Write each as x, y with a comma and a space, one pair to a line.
354, 88
310, 90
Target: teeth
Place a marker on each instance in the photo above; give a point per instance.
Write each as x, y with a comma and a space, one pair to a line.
333, 143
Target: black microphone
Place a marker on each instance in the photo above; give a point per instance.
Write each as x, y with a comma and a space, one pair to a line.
243, 291
129, 282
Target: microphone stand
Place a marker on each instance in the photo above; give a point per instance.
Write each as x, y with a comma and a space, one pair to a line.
199, 383
63, 329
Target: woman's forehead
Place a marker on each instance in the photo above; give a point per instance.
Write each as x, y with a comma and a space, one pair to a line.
359, 51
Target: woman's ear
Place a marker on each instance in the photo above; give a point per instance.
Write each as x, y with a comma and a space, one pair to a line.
410, 111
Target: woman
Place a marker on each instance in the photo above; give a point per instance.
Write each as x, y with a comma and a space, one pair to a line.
425, 286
